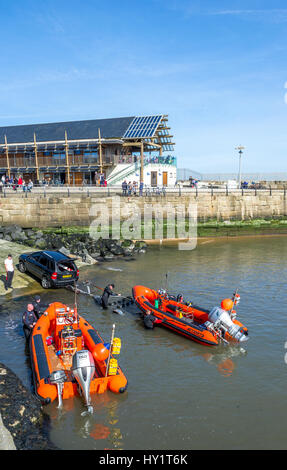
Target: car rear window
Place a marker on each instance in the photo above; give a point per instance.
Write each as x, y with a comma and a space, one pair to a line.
66, 265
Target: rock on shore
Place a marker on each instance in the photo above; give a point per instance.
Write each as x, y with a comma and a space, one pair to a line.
80, 244
21, 414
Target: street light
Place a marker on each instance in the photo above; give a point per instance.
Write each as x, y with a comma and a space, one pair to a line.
240, 151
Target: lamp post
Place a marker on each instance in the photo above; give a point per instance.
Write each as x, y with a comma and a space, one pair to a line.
240, 151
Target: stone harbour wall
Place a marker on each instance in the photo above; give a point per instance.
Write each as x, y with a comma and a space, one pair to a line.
81, 210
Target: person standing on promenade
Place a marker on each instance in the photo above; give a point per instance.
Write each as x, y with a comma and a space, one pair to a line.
135, 187
14, 184
124, 188
9, 268
30, 186
130, 188
141, 188
20, 182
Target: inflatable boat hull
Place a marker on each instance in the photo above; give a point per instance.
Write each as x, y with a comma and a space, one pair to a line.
190, 323
45, 360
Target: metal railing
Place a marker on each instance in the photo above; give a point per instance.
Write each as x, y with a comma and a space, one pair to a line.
20, 163
122, 173
17, 161
148, 191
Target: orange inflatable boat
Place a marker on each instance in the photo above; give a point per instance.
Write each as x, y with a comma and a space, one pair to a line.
69, 358
209, 327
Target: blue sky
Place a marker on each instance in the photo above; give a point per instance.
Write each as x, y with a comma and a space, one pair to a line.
217, 68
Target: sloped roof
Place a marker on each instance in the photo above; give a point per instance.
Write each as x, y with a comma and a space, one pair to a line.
76, 130
152, 130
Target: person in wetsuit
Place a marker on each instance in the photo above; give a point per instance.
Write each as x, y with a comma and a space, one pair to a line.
109, 290
29, 319
39, 308
181, 300
150, 320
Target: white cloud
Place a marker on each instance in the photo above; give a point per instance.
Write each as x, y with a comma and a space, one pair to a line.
251, 12
190, 9
279, 14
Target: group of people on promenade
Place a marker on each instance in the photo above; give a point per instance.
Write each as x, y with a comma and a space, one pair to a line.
165, 160
129, 188
16, 183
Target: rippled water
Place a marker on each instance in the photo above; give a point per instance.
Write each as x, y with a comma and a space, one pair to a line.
181, 395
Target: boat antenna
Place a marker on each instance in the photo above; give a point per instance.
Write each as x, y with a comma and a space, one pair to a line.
166, 281
75, 301
233, 299
75, 305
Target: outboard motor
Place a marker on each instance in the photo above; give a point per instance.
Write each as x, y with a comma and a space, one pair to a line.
221, 319
84, 370
58, 378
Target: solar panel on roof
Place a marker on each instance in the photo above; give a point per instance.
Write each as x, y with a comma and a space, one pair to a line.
144, 126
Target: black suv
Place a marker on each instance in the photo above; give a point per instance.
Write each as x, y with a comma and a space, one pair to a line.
53, 268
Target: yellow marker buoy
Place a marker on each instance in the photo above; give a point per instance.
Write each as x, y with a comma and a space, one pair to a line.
113, 367
116, 349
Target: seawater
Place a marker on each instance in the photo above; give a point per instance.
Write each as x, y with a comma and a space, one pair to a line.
181, 395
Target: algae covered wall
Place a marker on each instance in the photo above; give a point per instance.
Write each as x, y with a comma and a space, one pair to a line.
82, 210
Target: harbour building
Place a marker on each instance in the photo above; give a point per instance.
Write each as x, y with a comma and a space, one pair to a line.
99, 151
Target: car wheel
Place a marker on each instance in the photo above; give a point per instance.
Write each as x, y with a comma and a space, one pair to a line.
45, 283
22, 267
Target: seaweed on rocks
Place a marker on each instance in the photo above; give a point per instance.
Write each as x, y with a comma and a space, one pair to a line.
22, 414
80, 244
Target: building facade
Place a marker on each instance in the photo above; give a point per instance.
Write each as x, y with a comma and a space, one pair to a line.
90, 152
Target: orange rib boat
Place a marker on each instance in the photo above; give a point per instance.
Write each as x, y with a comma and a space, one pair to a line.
198, 324
69, 355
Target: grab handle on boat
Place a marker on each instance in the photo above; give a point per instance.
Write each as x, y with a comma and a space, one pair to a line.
111, 342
